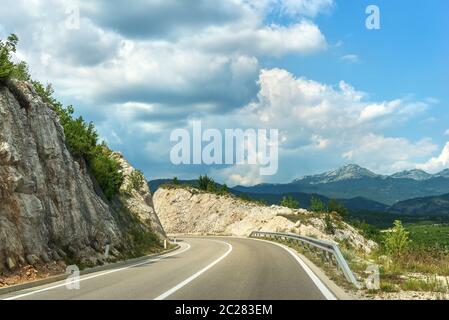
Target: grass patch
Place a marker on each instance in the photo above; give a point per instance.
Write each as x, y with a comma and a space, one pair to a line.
430, 284
429, 235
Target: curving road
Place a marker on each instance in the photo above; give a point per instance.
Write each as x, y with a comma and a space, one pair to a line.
202, 269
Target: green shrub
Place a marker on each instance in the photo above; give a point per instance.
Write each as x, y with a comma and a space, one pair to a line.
212, 187
317, 205
21, 72
335, 206
144, 242
224, 189
396, 241
137, 179
6, 49
106, 171
329, 227
289, 202
206, 184
81, 137
9, 69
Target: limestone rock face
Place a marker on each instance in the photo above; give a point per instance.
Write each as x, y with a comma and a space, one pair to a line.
138, 201
189, 211
49, 204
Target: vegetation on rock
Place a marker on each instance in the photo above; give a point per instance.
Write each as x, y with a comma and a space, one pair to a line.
289, 202
317, 205
81, 136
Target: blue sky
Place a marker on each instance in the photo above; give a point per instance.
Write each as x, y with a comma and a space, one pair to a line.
338, 92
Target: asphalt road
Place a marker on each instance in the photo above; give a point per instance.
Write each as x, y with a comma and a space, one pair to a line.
203, 269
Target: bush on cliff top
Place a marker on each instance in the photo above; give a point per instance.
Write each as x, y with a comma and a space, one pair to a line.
6, 49
81, 137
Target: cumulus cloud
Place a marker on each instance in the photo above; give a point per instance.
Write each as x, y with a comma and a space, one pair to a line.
329, 125
141, 70
321, 107
243, 175
388, 154
438, 163
159, 19
274, 40
123, 53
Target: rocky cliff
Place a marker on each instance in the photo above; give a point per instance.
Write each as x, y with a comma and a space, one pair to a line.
50, 207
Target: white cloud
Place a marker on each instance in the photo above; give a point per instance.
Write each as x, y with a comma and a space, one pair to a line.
274, 40
388, 154
319, 107
374, 111
351, 58
244, 175
214, 61
328, 125
446, 133
438, 163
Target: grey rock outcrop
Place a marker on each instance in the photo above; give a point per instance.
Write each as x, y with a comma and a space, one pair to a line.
48, 201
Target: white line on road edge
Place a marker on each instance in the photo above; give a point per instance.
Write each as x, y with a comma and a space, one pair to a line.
100, 274
317, 281
196, 275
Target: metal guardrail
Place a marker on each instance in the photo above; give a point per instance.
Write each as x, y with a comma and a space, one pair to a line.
327, 246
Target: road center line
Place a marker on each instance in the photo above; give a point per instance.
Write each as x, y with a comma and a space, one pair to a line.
100, 274
194, 276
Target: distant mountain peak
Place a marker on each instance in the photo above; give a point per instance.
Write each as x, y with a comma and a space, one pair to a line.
347, 172
415, 174
444, 173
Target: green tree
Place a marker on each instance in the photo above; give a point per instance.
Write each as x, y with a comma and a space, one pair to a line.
397, 240
335, 206
224, 189
317, 205
175, 181
289, 202
106, 171
205, 183
6, 49
21, 72
81, 137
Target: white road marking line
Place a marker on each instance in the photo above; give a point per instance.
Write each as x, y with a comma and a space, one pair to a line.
317, 281
194, 276
100, 274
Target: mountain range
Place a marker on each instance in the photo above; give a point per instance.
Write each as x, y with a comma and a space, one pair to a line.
353, 181
413, 192
436, 205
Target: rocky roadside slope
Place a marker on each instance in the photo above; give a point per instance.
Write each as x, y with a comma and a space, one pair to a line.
50, 207
185, 210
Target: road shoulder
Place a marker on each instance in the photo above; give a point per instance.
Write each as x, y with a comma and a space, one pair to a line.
54, 279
